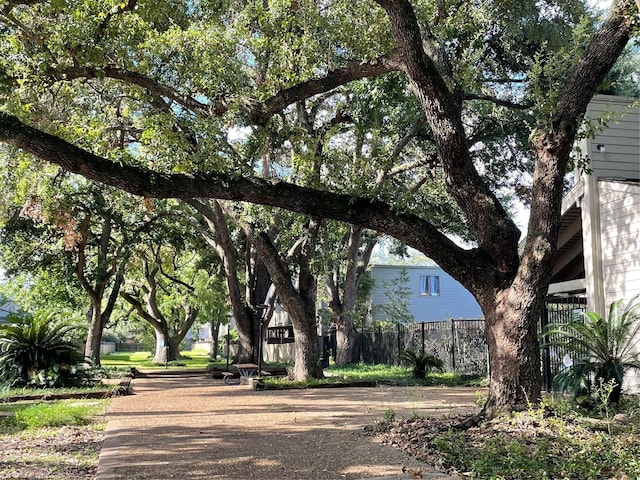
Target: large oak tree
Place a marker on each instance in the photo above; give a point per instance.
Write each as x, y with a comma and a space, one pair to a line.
165, 83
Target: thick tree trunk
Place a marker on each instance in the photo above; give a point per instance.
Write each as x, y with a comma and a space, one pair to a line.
307, 351
346, 341
174, 347
161, 354
94, 336
167, 347
248, 326
515, 377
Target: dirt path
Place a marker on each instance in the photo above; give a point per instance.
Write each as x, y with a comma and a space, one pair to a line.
197, 428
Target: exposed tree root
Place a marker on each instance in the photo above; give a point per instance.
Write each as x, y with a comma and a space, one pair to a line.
472, 421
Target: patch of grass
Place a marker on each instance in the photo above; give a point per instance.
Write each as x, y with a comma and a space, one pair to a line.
35, 415
55, 453
381, 374
124, 359
45, 393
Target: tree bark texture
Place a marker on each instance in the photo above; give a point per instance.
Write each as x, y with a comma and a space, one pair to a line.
94, 336
358, 256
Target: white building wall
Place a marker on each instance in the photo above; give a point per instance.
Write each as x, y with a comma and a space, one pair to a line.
619, 140
620, 222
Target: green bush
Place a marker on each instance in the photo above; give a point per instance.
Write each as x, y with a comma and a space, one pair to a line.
421, 363
603, 349
38, 350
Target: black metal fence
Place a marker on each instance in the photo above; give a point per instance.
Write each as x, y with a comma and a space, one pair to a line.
558, 311
460, 344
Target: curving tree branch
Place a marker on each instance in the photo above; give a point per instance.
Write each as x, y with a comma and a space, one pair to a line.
375, 215
496, 233
259, 112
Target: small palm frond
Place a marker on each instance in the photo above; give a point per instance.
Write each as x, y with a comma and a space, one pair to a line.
421, 360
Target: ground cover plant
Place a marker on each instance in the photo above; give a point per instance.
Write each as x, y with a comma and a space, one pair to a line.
53, 440
557, 440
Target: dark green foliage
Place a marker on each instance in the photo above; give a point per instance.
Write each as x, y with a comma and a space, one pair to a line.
602, 349
421, 363
38, 351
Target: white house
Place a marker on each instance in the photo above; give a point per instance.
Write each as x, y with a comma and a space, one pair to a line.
435, 295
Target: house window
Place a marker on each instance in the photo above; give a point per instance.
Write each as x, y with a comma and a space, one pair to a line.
430, 285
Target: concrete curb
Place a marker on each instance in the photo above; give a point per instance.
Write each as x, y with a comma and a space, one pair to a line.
108, 458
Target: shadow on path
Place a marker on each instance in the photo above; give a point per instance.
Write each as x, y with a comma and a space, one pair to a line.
195, 427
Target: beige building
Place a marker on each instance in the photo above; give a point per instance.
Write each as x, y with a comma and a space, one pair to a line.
599, 242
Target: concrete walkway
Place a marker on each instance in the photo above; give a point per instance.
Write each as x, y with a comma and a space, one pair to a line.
193, 427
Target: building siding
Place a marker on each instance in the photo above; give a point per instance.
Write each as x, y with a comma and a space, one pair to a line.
454, 300
620, 138
620, 223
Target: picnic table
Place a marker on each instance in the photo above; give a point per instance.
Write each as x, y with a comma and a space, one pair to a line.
246, 369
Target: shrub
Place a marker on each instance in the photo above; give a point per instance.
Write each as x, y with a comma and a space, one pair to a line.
603, 349
421, 363
38, 350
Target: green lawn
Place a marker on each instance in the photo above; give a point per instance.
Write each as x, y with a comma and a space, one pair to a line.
40, 414
191, 359
398, 375
382, 374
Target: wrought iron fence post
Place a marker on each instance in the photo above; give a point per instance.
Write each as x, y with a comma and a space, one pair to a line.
399, 348
546, 354
453, 345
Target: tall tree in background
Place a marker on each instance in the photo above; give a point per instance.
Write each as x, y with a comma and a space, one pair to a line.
297, 291
166, 100
89, 232
162, 289
235, 257
347, 267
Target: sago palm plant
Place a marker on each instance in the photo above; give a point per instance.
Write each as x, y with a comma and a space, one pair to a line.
421, 363
37, 350
602, 350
